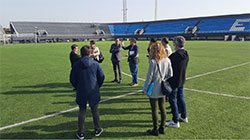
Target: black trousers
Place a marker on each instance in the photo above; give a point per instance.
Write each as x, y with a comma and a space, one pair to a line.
115, 65
155, 103
82, 116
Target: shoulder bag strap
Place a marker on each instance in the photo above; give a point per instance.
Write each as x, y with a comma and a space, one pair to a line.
159, 69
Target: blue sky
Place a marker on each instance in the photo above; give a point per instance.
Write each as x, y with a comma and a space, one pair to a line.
111, 10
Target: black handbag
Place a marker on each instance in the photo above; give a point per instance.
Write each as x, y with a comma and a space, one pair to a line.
101, 58
165, 86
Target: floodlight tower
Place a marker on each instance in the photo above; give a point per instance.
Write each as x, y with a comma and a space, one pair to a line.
125, 10
155, 9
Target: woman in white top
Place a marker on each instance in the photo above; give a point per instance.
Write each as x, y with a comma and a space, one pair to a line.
168, 49
96, 51
158, 56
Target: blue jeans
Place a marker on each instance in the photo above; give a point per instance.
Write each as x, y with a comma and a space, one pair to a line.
134, 70
178, 94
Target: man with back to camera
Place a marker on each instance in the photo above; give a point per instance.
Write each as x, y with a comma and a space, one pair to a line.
87, 77
74, 57
179, 60
133, 59
115, 49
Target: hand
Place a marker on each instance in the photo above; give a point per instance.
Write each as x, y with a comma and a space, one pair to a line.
123, 43
126, 55
145, 92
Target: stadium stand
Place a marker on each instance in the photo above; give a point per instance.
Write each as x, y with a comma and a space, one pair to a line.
125, 29
208, 26
175, 27
56, 31
224, 25
227, 27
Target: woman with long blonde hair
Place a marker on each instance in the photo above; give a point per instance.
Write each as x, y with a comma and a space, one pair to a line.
159, 65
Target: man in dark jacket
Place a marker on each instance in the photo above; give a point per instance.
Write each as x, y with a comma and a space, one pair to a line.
179, 60
133, 59
115, 49
87, 77
74, 57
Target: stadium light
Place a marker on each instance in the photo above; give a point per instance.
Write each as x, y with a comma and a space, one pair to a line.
155, 9
125, 10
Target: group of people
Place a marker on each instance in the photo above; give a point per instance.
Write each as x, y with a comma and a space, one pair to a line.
87, 77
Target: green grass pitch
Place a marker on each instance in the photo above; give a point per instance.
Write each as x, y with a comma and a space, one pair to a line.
34, 82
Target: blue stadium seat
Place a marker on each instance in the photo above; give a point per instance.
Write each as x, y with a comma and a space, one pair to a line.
175, 27
225, 25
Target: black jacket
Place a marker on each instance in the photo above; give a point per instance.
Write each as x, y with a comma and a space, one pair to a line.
74, 58
179, 60
116, 52
133, 57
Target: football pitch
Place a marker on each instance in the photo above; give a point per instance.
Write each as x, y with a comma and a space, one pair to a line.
35, 89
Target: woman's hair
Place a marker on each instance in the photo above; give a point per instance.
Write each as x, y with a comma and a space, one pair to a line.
157, 52
165, 40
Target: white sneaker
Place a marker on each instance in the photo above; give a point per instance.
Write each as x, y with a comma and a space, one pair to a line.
185, 120
134, 85
172, 124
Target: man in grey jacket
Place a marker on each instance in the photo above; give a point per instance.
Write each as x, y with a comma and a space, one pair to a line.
115, 49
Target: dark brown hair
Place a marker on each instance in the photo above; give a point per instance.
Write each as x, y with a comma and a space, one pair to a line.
86, 50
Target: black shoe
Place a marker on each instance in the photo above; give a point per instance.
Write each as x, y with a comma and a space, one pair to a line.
114, 81
120, 82
161, 130
98, 132
80, 135
153, 132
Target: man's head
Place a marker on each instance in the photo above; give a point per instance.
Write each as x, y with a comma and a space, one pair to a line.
164, 41
132, 41
74, 48
86, 50
179, 42
153, 40
117, 40
92, 43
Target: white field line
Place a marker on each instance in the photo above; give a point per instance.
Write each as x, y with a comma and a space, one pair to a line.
219, 70
215, 93
131, 76
65, 111
208, 92
62, 112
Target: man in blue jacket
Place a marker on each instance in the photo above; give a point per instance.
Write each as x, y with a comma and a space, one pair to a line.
133, 59
87, 77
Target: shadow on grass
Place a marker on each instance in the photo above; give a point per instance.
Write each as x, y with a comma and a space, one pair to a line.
35, 92
108, 89
40, 89
48, 85
69, 129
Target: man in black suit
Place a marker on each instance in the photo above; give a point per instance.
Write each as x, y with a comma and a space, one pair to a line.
74, 57
133, 59
115, 49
